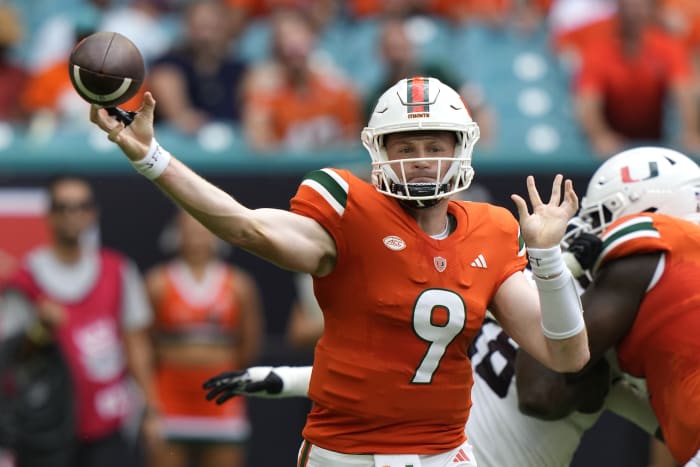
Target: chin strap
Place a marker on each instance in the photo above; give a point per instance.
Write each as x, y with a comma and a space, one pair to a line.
419, 190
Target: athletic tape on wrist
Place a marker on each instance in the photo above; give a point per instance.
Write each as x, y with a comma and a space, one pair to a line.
562, 312
546, 262
155, 162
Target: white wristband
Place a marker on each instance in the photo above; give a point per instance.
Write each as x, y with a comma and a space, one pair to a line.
562, 312
546, 262
155, 162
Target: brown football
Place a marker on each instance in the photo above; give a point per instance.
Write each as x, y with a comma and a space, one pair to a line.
106, 69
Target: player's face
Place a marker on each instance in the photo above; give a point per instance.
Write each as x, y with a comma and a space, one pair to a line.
423, 146
72, 211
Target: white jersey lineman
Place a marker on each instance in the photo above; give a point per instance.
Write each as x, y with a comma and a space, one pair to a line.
503, 436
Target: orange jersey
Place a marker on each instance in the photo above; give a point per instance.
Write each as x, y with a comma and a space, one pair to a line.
633, 88
189, 305
325, 111
663, 344
391, 373
205, 311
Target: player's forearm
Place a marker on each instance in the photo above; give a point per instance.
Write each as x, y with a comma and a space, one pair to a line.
570, 354
291, 241
562, 314
211, 206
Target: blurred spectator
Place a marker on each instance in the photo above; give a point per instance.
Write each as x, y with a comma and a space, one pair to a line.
293, 105
12, 75
55, 36
624, 79
363, 9
494, 12
198, 82
320, 12
401, 60
524, 15
574, 24
144, 22
91, 303
208, 319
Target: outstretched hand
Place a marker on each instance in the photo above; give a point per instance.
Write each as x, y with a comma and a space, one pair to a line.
546, 225
224, 386
135, 139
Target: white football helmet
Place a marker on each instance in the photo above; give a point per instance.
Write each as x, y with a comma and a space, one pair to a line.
416, 104
644, 179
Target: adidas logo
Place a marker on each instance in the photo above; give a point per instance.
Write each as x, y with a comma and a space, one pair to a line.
479, 262
461, 455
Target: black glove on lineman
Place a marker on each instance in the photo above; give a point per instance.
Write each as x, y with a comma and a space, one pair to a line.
224, 386
586, 248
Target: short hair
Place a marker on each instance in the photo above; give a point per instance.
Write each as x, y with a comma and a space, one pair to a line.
57, 180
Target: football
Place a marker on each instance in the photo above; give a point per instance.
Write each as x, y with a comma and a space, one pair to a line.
106, 69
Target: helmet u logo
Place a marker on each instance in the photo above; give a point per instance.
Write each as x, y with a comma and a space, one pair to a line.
627, 177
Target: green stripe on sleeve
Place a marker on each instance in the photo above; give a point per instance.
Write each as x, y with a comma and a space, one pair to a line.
338, 193
630, 229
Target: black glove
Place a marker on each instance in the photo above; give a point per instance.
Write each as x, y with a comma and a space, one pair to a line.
586, 248
224, 386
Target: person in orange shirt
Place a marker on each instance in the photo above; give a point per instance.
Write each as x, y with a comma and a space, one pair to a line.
292, 105
643, 301
621, 87
207, 318
402, 272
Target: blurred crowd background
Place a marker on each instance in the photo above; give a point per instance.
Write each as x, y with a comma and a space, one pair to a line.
255, 92
553, 79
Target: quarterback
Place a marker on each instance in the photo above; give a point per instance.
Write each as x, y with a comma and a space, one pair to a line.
391, 267
499, 366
